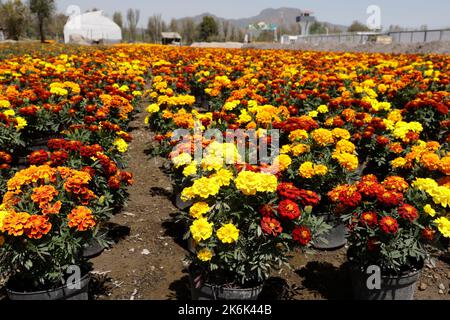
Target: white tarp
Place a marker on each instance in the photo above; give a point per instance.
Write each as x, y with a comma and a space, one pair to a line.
92, 26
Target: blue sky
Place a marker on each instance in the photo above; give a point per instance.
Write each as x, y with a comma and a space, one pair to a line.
407, 13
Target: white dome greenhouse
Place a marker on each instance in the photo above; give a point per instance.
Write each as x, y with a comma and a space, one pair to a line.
92, 27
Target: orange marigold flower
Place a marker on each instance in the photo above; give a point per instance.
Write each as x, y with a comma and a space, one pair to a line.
14, 223
396, 184
444, 165
44, 195
430, 161
37, 226
51, 209
81, 218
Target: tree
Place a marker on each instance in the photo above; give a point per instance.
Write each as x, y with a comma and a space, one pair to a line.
226, 29
56, 26
14, 16
357, 26
188, 30
133, 20
207, 28
43, 10
173, 26
155, 27
118, 19
317, 28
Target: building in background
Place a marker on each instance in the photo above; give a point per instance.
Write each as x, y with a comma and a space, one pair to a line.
91, 27
305, 19
171, 38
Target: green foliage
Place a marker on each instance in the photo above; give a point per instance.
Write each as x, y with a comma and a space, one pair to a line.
207, 28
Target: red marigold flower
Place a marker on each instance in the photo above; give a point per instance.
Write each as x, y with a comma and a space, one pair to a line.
114, 183
309, 198
289, 209
389, 225
38, 157
369, 219
59, 157
390, 198
271, 226
267, 211
408, 212
369, 186
350, 197
428, 234
302, 235
288, 191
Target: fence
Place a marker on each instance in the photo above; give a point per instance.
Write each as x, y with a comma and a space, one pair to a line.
415, 36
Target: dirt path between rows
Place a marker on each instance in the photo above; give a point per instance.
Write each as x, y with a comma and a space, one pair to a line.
145, 262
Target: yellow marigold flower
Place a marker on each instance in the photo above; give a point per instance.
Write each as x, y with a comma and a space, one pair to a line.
399, 163
339, 133
306, 170
321, 170
395, 116
211, 163
199, 209
298, 135
348, 161
229, 106
191, 169
21, 123
182, 160
322, 137
250, 183
153, 108
429, 210
223, 177
205, 255
313, 114
283, 162
9, 113
3, 214
345, 146
443, 225
201, 230
300, 149
187, 194
228, 233
322, 109
5, 104
59, 91
121, 145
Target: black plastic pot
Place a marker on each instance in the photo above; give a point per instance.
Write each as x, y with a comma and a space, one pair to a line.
205, 291
401, 287
336, 238
93, 249
61, 293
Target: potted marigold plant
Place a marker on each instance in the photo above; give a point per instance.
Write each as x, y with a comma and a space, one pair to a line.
46, 217
243, 224
389, 228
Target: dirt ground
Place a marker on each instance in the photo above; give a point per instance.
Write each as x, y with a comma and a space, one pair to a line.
436, 47
146, 262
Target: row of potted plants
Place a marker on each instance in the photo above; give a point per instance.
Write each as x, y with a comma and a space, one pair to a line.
357, 133
65, 118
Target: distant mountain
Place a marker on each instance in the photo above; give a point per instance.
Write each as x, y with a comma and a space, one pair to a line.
282, 17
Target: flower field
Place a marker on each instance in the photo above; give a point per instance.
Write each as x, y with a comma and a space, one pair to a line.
267, 152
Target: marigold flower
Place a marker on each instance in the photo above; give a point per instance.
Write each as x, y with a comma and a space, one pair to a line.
205, 255
201, 229
199, 209
322, 137
369, 219
228, 233
389, 225
302, 235
271, 226
289, 209
408, 212
37, 226
81, 218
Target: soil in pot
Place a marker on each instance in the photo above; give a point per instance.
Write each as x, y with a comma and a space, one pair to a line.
74, 291
212, 289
